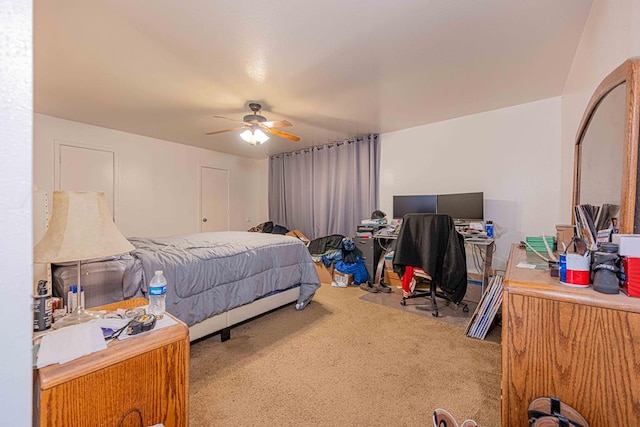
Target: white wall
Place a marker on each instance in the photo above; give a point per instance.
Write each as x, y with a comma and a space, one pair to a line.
611, 35
16, 252
511, 154
158, 189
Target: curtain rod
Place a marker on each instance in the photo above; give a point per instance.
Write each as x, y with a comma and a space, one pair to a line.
327, 145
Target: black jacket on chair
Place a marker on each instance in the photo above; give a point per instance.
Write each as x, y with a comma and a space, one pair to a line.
431, 242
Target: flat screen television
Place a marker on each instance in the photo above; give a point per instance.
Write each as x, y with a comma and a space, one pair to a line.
463, 207
403, 205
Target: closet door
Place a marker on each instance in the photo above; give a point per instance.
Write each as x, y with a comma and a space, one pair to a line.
214, 199
86, 169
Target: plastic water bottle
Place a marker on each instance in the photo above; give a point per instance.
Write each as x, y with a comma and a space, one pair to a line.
157, 294
489, 229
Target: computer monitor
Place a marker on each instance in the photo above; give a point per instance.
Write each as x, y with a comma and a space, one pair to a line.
403, 205
463, 207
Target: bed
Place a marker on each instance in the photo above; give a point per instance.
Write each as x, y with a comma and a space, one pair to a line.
215, 280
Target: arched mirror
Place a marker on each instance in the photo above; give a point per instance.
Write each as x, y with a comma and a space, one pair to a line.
606, 152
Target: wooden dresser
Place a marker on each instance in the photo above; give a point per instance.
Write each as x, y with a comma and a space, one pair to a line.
149, 374
577, 344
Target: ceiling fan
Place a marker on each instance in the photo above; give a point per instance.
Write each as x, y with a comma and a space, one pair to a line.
256, 127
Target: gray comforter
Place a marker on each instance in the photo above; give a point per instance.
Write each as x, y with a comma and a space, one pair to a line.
210, 273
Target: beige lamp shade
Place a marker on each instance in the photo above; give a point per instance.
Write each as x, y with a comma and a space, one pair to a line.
80, 228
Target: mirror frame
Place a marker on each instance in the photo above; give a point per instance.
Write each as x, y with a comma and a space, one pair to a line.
628, 72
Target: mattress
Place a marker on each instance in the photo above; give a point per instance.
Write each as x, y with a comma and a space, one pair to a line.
207, 273
210, 273
103, 281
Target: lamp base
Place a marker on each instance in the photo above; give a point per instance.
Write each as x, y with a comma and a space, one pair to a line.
77, 317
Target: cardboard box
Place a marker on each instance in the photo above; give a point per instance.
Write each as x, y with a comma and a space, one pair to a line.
388, 262
628, 244
298, 234
474, 291
564, 234
325, 274
631, 285
342, 278
391, 278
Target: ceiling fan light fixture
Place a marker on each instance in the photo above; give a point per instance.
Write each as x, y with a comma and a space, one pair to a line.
260, 136
254, 137
256, 128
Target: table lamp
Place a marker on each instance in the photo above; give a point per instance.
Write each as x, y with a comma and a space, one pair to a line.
81, 228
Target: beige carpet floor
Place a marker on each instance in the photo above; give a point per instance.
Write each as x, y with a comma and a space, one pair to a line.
343, 361
447, 312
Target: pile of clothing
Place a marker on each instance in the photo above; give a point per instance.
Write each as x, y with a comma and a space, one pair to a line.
342, 252
269, 227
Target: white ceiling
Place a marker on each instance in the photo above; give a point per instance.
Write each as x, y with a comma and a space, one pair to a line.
334, 68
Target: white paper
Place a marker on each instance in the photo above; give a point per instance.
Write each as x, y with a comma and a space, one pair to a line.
69, 343
523, 264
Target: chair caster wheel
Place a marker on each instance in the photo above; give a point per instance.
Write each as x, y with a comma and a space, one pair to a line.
465, 309
434, 313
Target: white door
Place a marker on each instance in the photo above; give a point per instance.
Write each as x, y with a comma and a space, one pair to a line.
87, 169
214, 199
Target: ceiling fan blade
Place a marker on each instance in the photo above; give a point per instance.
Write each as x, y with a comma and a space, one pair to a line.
227, 118
281, 134
278, 124
226, 130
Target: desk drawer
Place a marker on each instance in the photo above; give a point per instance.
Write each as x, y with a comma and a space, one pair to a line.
370, 249
371, 252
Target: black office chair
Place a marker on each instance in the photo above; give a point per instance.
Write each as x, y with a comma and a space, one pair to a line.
430, 242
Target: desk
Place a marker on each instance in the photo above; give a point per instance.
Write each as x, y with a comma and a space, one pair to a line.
479, 260
387, 244
149, 373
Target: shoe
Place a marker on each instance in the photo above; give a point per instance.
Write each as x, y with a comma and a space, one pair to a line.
383, 288
442, 418
550, 421
550, 411
367, 287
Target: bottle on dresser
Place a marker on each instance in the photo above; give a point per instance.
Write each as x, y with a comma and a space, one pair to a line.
157, 294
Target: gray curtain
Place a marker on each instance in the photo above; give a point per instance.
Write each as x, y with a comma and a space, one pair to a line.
277, 211
298, 184
327, 189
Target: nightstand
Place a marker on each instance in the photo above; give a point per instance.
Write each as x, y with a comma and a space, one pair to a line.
149, 374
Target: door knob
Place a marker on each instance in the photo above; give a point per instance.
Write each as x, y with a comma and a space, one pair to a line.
204, 219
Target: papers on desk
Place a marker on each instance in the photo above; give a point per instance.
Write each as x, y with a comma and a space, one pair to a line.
532, 265
523, 264
591, 220
388, 232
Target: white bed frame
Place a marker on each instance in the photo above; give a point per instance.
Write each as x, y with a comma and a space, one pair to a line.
223, 322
